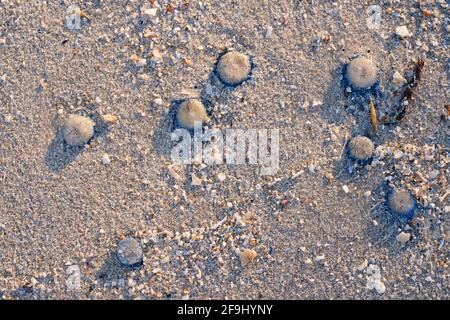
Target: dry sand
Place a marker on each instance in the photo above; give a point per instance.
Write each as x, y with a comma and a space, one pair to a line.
320, 228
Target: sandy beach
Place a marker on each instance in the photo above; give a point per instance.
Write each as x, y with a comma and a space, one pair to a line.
318, 228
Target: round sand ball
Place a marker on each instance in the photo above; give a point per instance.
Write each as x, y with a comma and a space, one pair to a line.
360, 148
401, 202
191, 113
234, 68
78, 130
362, 73
129, 252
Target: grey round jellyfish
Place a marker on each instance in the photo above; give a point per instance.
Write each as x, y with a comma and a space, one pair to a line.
361, 148
191, 113
361, 73
402, 203
129, 253
234, 68
78, 130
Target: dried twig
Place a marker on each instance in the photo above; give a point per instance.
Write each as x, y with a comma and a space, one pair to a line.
373, 116
84, 15
408, 93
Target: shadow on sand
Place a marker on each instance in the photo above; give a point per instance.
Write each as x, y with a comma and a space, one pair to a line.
59, 154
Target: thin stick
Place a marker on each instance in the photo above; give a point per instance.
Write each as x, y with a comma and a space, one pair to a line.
373, 116
344, 147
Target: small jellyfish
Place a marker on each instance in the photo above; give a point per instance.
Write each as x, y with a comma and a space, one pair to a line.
361, 73
361, 148
129, 253
402, 203
78, 130
234, 68
191, 113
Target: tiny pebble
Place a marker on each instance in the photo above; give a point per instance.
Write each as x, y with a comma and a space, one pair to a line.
319, 258
398, 80
109, 118
196, 181
138, 61
345, 188
403, 237
8, 118
269, 32
247, 256
402, 32
158, 101
106, 160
